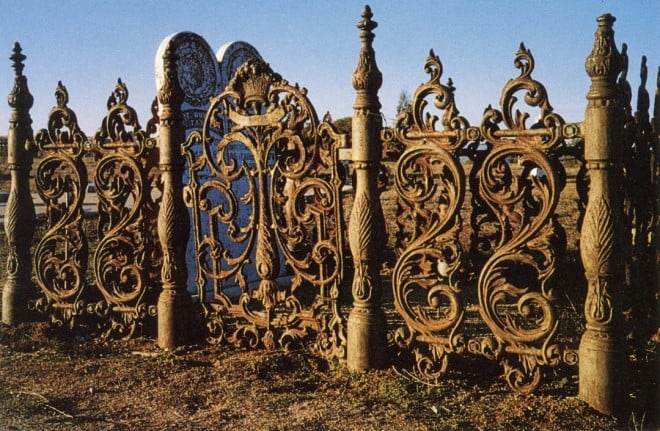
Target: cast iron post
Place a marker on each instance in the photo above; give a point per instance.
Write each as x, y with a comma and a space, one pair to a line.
602, 352
173, 223
366, 323
19, 215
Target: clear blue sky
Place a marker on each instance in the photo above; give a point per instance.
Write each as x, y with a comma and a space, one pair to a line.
88, 44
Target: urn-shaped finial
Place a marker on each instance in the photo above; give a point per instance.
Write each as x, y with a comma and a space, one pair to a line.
604, 60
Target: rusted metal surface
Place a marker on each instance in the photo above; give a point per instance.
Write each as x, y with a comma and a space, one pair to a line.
173, 221
128, 258
279, 202
604, 235
515, 183
265, 203
61, 257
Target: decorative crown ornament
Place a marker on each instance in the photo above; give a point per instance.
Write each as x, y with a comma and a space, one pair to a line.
253, 80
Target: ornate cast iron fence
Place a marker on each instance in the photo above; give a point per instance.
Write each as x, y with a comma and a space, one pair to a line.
515, 182
268, 225
271, 195
61, 255
126, 260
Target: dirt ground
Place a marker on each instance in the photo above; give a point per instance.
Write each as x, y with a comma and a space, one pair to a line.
52, 380
55, 379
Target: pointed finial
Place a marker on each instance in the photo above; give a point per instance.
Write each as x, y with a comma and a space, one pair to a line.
17, 57
61, 95
624, 61
367, 25
643, 72
20, 97
643, 99
367, 79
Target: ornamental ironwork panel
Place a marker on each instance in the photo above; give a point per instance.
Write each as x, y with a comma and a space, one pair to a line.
266, 216
127, 258
60, 258
122, 292
514, 177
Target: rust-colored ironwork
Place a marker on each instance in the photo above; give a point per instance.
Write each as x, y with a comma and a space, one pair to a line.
60, 258
126, 261
430, 184
127, 258
515, 296
643, 221
515, 182
265, 192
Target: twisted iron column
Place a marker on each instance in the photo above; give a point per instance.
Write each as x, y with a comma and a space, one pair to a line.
603, 374
19, 215
366, 323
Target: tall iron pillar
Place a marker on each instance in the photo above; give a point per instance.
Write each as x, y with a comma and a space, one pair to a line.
366, 340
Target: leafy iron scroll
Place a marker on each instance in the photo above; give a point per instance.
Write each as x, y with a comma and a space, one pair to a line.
264, 192
515, 183
430, 185
128, 257
61, 255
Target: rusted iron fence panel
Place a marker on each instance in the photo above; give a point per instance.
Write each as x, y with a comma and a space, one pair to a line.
515, 178
126, 259
270, 197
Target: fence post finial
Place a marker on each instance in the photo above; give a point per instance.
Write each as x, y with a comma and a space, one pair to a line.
366, 323
602, 373
19, 215
173, 224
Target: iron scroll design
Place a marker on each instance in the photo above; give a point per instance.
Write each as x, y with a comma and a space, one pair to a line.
127, 259
430, 186
515, 296
60, 257
266, 216
515, 181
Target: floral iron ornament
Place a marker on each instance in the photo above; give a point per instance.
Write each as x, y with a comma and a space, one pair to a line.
430, 186
128, 257
60, 258
264, 196
515, 295
516, 237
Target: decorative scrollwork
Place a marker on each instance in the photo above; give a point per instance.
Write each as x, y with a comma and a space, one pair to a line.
430, 186
264, 197
515, 180
128, 257
61, 255
520, 181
